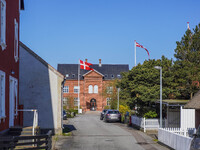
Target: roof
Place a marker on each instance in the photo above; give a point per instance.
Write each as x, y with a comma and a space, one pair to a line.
40, 59
173, 102
94, 71
109, 71
194, 103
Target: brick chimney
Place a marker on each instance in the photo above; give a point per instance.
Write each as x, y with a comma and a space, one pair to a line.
86, 60
100, 63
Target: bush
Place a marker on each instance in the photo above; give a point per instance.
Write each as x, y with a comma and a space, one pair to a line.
124, 109
106, 107
150, 114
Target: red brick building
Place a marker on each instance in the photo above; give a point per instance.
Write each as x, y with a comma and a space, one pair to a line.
92, 83
9, 63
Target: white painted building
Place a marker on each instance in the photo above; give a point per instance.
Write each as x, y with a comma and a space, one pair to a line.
40, 88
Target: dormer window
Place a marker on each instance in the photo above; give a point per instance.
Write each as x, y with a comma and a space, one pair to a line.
73, 75
119, 76
112, 76
106, 76
3, 25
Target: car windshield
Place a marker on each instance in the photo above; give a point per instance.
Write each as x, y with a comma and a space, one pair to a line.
113, 112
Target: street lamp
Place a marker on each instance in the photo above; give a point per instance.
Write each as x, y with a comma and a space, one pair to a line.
160, 68
118, 89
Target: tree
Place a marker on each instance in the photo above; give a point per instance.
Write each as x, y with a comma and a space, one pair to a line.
141, 86
187, 64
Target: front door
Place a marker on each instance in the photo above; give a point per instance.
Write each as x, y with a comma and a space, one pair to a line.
13, 100
93, 104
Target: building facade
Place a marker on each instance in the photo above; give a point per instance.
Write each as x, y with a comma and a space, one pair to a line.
93, 84
40, 88
9, 63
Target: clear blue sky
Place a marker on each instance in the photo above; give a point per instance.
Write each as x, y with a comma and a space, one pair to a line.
64, 31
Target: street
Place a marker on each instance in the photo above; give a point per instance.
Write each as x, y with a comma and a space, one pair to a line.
90, 133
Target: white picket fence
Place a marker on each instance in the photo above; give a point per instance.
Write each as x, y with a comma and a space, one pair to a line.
146, 124
175, 138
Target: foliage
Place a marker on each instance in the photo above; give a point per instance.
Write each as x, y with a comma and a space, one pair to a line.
140, 87
150, 114
106, 107
187, 64
123, 109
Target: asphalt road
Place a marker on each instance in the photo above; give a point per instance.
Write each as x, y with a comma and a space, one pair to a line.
90, 133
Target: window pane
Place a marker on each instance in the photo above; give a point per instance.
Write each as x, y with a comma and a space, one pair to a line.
90, 89
76, 89
95, 89
66, 89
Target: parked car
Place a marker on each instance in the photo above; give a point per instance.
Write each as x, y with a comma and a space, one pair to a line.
64, 115
195, 143
112, 115
102, 114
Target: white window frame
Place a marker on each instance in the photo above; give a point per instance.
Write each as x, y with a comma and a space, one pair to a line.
109, 90
3, 25
76, 89
96, 89
2, 94
14, 91
65, 101
66, 89
16, 40
76, 101
108, 99
90, 89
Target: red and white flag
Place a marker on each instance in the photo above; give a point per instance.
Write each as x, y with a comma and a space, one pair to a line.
85, 65
139, 45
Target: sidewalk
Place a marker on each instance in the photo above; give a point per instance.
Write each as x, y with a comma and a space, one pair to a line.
146, 141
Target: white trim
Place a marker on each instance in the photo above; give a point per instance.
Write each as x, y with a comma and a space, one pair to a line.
91, 71
13, 100
2, 99
96, 89
3, 24
16, 40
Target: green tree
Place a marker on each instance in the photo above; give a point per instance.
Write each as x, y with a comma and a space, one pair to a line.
187, 64
141, 86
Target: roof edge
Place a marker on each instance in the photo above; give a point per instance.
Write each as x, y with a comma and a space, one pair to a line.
40, 59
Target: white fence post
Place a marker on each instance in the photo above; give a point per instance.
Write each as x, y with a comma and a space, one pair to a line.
144, 125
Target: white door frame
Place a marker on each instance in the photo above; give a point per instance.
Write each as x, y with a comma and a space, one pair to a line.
12, 100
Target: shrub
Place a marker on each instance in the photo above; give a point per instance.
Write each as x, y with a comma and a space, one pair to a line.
150, 114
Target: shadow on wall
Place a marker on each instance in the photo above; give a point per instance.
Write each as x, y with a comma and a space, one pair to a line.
36, 91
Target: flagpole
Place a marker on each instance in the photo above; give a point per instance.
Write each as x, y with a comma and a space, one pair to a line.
79, 86
135, 53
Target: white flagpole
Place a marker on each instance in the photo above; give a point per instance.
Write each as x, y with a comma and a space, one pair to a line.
135, 53
78, 87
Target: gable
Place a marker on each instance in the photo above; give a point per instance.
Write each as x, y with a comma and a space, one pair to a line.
93, 74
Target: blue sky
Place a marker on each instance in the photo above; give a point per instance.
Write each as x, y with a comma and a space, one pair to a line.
64, 31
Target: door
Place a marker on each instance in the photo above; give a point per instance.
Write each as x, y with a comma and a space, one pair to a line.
12, 100
93, 105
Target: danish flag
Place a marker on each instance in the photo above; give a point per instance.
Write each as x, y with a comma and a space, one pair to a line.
138, 45
85, 65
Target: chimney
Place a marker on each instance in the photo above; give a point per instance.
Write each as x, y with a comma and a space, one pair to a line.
100, 63
85, 60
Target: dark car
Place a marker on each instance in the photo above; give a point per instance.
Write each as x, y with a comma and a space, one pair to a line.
195, 143
112, 115
102, 114
64, 115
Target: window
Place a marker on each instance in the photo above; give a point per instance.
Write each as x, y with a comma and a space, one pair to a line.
76, 89
15, 95
73, 75
96, 89
90, 89
66, 89
108, 101
119, 76
112, 76
76, 101
65, 101
2, 94
109, 89
3, 24
16, 55
106, 75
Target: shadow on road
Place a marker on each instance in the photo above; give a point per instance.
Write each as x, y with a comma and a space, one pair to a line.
68, 128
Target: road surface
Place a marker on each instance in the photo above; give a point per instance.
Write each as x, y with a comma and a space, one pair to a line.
91, 133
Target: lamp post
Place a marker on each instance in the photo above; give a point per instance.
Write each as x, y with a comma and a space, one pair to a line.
118, 89
160, 68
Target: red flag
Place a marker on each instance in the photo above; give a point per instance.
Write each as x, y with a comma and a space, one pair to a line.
138, 45
85, 65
